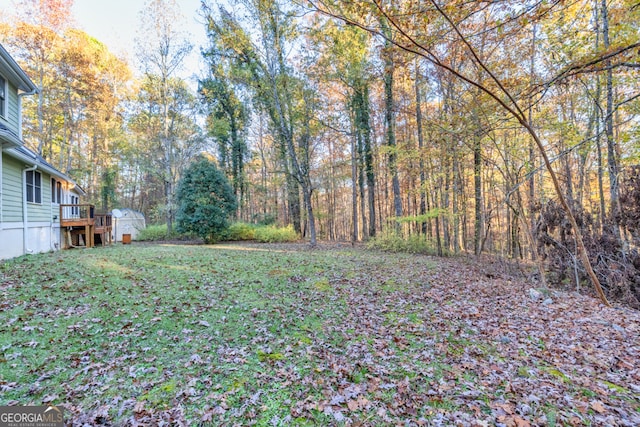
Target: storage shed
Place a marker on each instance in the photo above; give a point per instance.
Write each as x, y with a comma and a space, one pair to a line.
127, 221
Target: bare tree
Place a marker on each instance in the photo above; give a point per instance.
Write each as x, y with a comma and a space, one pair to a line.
162, 47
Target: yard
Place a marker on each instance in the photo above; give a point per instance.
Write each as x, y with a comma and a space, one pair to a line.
283, 335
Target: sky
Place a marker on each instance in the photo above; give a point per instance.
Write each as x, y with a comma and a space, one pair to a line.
114, 23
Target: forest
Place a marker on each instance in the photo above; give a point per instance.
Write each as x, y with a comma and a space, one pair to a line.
507, 128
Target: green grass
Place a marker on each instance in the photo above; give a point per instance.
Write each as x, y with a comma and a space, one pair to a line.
142, 322
239, 334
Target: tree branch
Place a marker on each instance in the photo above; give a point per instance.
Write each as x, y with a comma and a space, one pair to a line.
514, 110
584, 68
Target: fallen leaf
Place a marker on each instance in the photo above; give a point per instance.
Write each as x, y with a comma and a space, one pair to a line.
49, 398
506, 407
598, 407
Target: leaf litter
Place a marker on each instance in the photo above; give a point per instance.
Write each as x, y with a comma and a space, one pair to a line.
282, 335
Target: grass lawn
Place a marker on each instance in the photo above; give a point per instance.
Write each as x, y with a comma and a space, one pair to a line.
283, 335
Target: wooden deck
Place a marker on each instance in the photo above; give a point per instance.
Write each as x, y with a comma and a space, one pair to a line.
83, 225
103, 227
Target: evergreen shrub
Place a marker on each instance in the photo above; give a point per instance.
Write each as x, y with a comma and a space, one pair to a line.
205, 201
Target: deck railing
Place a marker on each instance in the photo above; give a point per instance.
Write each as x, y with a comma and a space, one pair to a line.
103, 228
76, 215
103, 221
82, 220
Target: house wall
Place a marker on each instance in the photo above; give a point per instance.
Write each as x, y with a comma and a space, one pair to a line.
44, 232
42, 238
11, 244
12, 194
41, 212
11, 119
12, 110
12, 189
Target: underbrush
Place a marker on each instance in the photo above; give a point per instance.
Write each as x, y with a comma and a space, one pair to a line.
159, 232
274, 234
391, 242
616, 265
240, 231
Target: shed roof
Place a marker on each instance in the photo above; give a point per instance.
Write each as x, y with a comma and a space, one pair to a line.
130, 213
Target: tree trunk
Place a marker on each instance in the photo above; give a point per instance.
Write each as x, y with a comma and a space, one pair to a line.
423, 204
306, 191
168, 186
389, 120
455, 199
612, 162
477, 186
361, 184
532, 157
598, 113
445, 197
365, 128
293, 200
354, 188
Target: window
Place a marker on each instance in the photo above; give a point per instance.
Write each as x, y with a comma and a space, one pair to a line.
3, 96
34, 187
56, 191
75, 210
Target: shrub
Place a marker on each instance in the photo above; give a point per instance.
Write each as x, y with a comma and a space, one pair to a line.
205, 201
158, 232
391, 242
240, 231
617, 267
273, 234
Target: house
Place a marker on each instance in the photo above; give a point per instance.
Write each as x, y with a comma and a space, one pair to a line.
35, 198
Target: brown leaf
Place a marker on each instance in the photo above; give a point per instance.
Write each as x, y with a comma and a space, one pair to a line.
506, 407
352, 405
363, 402
575, 421
598, 407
